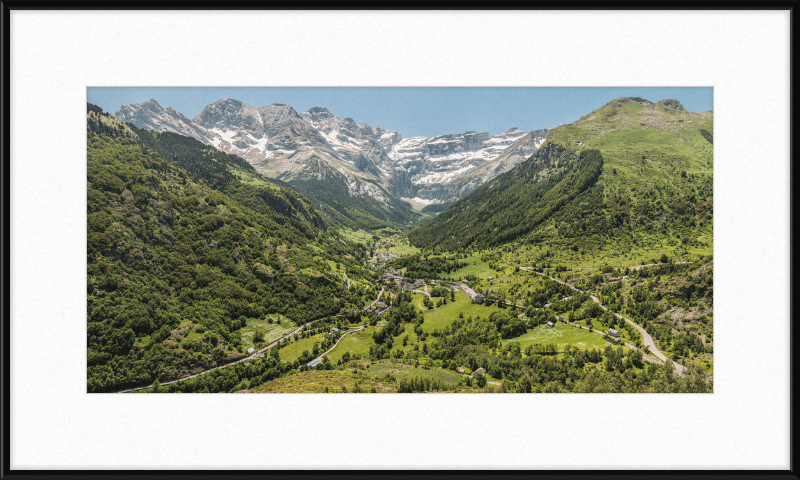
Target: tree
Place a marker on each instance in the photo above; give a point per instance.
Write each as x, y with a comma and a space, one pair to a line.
480, 380
258, 336
525, 384
218, 355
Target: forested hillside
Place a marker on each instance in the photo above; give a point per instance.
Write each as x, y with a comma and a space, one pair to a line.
185, 249
619, 176
329, 190
516, 202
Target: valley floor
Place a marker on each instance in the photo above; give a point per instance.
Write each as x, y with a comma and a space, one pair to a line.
507, 306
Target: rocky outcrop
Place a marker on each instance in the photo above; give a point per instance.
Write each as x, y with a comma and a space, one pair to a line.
152, 116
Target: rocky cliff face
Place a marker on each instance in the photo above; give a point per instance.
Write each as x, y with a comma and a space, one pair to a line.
354, 142
283, 143
449, 166
152, 116
256, 134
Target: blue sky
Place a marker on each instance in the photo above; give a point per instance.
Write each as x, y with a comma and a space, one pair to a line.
412, 111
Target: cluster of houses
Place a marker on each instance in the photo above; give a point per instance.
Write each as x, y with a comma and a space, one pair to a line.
333, 332
418, 283
385, 256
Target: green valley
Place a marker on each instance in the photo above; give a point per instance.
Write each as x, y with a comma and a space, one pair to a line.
587, 267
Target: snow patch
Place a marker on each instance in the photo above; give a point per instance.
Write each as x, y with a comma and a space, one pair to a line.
442, 177
423, 201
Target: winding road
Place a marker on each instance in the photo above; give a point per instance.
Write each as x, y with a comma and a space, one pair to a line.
258, 353
646, 338
317, 360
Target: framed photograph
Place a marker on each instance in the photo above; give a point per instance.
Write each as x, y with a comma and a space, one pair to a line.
537, 203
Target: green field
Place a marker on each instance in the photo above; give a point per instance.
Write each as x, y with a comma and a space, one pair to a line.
475, 266
273, 330
252, 178
355, 343
400, 250
561, 335
443, 316
413, 339
357, 236
294, 350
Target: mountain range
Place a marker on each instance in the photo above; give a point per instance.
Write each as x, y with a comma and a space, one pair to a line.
315, 148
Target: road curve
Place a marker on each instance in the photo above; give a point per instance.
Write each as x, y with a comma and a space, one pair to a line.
646, 338
254, 355
627, 344
317, 360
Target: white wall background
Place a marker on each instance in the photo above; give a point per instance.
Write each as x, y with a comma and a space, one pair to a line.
56, 55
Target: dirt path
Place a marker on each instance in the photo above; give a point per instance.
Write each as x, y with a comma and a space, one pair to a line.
317, 360
639, 267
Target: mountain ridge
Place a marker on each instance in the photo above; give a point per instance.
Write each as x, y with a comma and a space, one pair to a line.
279, 142
656, 176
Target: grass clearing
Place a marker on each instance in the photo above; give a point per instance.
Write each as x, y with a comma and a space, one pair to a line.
442, 317
355, 343
475, 266
273, 331
294, 350
253, 179
400, 249
561, 335
356, 236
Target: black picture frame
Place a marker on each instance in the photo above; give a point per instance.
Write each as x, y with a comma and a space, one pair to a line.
6, 472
